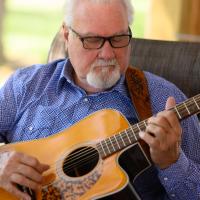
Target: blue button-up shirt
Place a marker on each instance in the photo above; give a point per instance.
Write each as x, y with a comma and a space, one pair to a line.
42, 100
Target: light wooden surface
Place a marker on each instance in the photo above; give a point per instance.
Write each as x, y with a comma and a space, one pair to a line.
164, 19
173, 20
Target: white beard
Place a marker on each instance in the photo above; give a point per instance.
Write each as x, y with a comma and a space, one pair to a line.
103, 74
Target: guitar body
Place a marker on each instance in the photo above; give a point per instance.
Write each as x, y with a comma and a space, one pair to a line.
66, 181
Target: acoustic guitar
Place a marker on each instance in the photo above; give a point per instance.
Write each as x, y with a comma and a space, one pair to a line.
84, 158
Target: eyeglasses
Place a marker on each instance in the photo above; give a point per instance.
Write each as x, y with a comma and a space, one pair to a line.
96, 42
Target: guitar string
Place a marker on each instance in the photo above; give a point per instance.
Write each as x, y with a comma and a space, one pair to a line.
73, 156
78, 155
71, 164
84, 151
189, 102
184, 109
85, 161
49, 184
77, 164
88, 159
82, 161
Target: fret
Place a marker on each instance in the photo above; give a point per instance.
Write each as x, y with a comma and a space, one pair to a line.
186, 108
107, 147
179, 116
145, 123
138, 127
133, 133
191, 106
142, 125
112, 144
102, 148
125, 137
196, 103
122, 140
117, 141
128, 136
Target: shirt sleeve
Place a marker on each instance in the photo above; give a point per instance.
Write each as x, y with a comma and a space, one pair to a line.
182, 179
8, 108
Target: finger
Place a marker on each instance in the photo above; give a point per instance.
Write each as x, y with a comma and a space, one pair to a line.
149, 139
173, 121
157, 131
159, 122
12, 188
33, 162
167, 119
29, 172
170, 103
164, 129
22, 180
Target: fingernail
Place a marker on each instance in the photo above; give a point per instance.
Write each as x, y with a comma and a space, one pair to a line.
141, 134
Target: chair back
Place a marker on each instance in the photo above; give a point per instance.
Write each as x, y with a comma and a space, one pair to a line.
178, 62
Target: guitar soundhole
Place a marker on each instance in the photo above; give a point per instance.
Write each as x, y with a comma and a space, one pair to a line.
80, 161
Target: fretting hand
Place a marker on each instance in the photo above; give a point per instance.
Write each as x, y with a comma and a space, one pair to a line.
163, 135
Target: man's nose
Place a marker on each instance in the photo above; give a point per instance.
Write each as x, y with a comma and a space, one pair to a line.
106, 51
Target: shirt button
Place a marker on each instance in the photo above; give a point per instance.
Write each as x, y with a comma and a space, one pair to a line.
85, 99
173, 195
165, 179
30, 128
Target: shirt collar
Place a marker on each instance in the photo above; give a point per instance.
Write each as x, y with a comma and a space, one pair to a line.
67, 71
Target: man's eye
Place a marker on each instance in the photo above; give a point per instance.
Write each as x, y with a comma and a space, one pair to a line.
93, 40
119, 38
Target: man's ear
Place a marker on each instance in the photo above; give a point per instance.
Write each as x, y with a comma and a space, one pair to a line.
65, 32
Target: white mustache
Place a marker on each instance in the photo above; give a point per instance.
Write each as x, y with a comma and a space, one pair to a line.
101, 62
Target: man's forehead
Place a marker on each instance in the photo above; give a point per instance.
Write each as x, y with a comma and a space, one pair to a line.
93, 20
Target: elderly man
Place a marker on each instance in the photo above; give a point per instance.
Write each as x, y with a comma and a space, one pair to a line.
42, 100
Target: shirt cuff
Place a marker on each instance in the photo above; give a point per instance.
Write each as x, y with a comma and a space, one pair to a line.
175, 174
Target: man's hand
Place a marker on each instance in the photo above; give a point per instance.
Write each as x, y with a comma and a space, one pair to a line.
17, 168
163, 135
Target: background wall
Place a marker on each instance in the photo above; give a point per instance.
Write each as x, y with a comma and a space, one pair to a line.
173, 20
28, 27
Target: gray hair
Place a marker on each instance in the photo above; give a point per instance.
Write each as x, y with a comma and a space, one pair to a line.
71, 4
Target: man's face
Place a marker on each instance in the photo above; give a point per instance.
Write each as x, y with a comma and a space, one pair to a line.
97, 69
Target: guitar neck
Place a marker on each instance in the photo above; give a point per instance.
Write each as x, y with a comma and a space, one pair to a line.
130, 135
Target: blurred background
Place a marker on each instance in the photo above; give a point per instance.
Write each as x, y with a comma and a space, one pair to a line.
27, 28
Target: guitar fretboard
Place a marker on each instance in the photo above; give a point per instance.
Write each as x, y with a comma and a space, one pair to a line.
130, 135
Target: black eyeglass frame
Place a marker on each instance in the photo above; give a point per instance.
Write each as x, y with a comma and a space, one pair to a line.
109, 39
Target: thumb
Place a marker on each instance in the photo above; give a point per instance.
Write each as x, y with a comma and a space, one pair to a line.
170, 103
